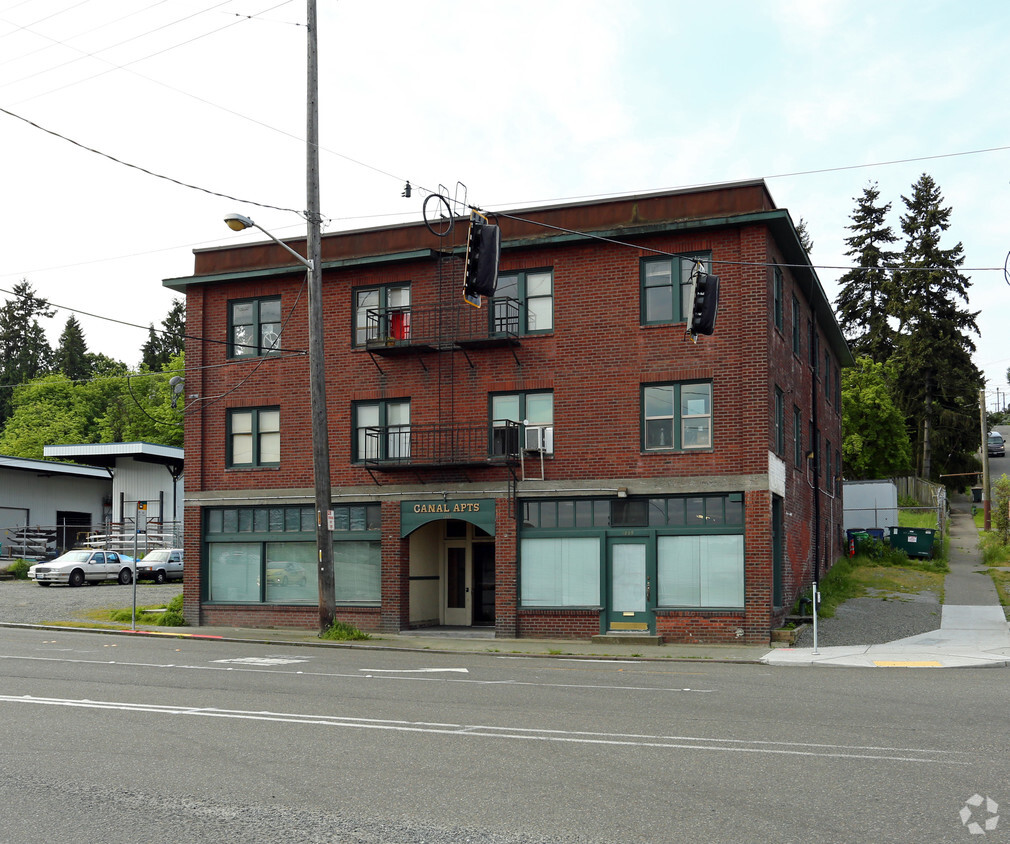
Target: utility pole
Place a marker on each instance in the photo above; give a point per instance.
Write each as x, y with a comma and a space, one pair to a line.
317, 358
985, 458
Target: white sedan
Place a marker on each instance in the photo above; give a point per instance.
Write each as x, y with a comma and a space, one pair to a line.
161, 565
77, 567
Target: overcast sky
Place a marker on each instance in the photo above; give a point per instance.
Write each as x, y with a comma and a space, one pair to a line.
523, 102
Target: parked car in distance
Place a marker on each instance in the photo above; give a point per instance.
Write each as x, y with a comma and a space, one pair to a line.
997, 448
83, 566
286, 573
161, 565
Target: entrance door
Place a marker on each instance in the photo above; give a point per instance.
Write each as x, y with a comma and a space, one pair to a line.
458, 606
483, 583
631, 586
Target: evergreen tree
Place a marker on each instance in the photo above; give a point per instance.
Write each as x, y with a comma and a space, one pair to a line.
804, 236
937, 381
875, 442
167, 341
25, 352
71, 356
863, 301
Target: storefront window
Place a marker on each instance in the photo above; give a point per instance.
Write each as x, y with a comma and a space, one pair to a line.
562, 572
701, 571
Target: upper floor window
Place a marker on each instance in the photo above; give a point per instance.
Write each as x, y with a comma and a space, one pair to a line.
796, 326
382, 430
254, 327
780, 422
381, 313
534, 291
254, 436
777, 293
677, 416
534, 414
797, 437
666, 288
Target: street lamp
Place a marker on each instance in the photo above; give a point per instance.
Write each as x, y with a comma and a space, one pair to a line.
239, 222
317, 405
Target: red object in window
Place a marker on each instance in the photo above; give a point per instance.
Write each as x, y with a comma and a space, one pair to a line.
399, 325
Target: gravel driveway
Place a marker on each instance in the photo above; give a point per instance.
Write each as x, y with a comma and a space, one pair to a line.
875, 621
23, 602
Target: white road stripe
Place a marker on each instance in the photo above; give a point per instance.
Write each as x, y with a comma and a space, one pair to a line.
888, 754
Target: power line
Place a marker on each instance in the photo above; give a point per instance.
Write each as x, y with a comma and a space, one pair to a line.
144, 169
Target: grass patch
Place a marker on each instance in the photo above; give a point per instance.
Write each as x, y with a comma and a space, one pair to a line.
341, 631
878, 570
994, 552
1002, 581
160, 615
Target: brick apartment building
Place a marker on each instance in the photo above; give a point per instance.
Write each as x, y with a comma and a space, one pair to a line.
564, 461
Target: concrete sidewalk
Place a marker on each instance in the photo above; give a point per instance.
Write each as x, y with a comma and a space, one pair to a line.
973, 629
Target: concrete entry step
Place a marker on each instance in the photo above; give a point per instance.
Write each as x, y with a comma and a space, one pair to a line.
625, 638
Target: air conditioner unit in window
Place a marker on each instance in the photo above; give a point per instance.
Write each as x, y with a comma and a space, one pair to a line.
540, 438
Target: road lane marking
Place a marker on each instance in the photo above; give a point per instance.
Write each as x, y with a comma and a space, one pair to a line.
415, 670
930, 756
415, 678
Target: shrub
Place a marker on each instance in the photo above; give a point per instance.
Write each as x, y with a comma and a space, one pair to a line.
341, 631
19, 569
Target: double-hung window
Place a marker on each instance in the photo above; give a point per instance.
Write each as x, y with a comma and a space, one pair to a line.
524, 302
254, 437
677, 416
667, 288
797, 437
796, 325
381, 313
254, 327
777, 293
382, 430
780, 422
533, 414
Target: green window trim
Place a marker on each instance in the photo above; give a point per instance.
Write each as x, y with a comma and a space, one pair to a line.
381, 430
254, 327
382, 299
780, 421
797, 325
665, 287
676, 417
533, 290
253, 437
777, 294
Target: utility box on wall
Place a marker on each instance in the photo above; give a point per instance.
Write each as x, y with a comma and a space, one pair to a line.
869, 504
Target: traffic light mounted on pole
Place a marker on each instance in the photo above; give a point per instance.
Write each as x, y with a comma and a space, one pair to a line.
705, 301
483, 251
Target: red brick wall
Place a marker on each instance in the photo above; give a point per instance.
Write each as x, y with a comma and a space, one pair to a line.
594, 360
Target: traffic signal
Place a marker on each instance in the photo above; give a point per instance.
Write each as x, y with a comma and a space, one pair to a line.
483, 250
706, 303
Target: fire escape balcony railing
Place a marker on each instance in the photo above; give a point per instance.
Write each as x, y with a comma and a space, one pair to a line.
400, 330
390, 447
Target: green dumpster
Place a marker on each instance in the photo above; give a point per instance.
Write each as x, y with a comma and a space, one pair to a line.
916, 542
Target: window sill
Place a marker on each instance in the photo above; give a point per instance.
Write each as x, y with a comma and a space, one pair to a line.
272, 467
740, 611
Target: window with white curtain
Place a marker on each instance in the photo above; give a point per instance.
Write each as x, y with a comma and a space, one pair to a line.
701, 571
560, 572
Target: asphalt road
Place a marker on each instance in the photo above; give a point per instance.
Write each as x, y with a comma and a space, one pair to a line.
123, 739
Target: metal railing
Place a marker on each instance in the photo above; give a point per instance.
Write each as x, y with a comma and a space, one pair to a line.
414, 446
442, 326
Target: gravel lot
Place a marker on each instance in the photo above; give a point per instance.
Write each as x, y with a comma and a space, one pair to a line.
23, 602
875, 621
